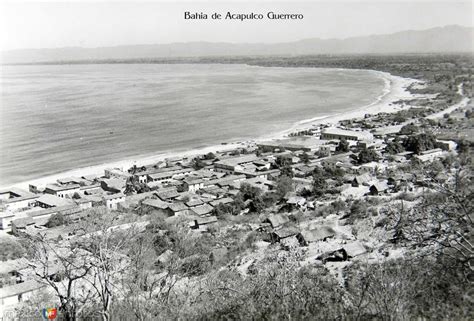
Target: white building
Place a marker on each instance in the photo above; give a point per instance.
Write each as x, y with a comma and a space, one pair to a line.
339, 133
112, 200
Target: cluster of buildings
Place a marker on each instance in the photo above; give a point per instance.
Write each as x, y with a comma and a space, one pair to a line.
176, 187
179, 188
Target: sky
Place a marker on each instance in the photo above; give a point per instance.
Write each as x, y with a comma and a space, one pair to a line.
70, 23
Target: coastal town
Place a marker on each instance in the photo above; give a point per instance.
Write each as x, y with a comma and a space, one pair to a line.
330, 195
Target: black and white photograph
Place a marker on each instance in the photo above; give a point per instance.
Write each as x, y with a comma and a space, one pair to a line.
236, 160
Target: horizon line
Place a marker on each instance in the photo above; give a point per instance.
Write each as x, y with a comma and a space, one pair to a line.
238, 43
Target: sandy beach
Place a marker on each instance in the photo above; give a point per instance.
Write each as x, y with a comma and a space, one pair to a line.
395, 89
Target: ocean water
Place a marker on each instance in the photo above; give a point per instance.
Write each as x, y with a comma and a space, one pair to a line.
60, 117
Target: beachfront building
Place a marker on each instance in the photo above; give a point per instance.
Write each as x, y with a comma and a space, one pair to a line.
230, 165
14, 199
339, 133
48, 200
116, 173
62, 190
112, 200
71, 181
165, 176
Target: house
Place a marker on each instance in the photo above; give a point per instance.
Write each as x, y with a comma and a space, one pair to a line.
48, 200
225, 181
116, 173
14, 199
203, 222
302, 183
354, 249
203, 210
360, 180
19, 225
193, 202
6, 220
167, 194
13, 267
14, 294
277, 220
262, 183
36, 188
156, 205
91, 189
113, 185
296, 201
178, 208
71, 181
167, 174
62, 190
378, 187
161, 177
430, 155
41, 216
281, 234
84, 203
192, 184
225, 200
230, 165
112, 200
403, 156
318, 234
447, 144
266, 174
338, 133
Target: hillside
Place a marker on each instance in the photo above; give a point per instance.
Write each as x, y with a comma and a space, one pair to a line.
448, 39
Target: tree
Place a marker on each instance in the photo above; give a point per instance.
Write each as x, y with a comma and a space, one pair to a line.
463, 146
442, 222
197, 163
209, 156
284, 185
10, 249
224, 209
304, 158
252, 193
54, 260
105, 247
366, 156
143, 287
320, 185
284, 164
56, 220
394, 147
419, 143
343, 146
409, 129
133, 186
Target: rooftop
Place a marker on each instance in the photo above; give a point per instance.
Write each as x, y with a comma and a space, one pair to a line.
361, 135
58, 188
203, 209
51, 200
113, 196
234, 161
20, 288
13, 194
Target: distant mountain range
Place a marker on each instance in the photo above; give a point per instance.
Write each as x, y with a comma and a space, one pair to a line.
448, 39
